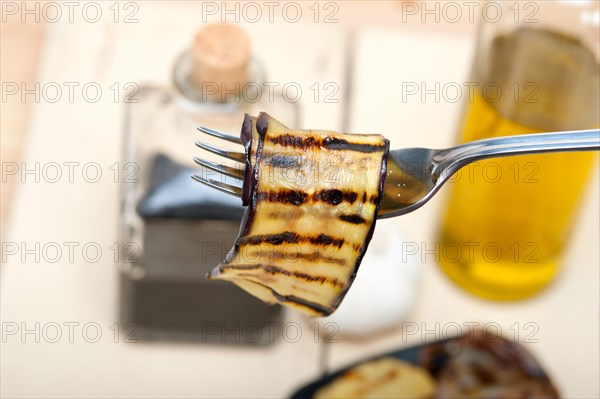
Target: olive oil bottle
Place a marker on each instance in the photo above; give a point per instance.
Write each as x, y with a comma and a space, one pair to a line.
172, 229
508, 220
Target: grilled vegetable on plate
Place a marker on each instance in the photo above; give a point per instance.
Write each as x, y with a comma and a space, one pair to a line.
387, 377
478, 364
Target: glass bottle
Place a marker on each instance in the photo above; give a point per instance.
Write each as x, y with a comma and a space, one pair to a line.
508, 220
174, 230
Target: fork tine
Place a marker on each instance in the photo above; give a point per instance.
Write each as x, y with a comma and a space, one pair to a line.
221, 135
226, 188
236, 156
229, 171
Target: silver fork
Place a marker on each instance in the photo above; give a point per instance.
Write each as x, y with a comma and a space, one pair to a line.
416, 174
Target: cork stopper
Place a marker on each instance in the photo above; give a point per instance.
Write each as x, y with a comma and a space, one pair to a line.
221, 54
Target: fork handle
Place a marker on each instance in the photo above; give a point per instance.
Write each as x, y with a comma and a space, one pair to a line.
452, 159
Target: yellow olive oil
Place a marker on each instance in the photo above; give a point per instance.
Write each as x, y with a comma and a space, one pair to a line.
508, 219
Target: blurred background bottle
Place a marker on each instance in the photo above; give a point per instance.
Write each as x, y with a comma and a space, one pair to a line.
507, 222
174, 230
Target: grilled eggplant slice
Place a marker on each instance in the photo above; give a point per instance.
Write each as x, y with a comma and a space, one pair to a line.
387, 377
313, 198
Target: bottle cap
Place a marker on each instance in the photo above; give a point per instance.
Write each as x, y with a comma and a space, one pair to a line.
221, 54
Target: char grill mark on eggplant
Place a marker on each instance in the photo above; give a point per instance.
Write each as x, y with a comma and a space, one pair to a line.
312, 308
292, 140
271, 269
295, 197
355, 219
289, 237
312, 198
295, 257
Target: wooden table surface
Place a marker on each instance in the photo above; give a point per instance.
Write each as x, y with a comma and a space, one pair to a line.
566, 315
20, 51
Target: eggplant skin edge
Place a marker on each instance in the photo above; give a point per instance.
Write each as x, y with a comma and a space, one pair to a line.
298, 284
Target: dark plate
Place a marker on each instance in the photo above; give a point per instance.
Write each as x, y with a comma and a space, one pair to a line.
494, 364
